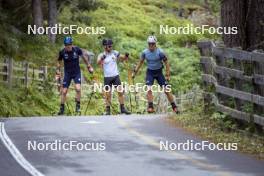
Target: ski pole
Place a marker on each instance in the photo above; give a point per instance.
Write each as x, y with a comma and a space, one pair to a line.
129, 75
90, 98
102, 94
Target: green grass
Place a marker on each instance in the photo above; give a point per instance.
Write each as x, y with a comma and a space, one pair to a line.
219, 128
27, 102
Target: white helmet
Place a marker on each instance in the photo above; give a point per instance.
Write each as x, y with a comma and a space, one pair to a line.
152, 39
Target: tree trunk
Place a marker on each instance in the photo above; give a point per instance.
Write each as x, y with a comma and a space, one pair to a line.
255, 29
233, 15
206, 4
255, 25
37, 13
248, 17
52, 18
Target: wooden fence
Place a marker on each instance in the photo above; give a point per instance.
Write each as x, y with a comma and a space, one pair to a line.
236, 78
21, 72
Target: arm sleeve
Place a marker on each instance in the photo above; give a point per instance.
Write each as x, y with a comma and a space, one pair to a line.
79, 51
117, 54
60, 57
143, 56
162, 55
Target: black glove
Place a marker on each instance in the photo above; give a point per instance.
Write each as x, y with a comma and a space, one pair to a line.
103, 57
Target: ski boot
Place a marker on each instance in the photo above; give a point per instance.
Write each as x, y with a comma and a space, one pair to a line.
150, 108
61, 112
107, 110
123, 110
78, 108
174, 108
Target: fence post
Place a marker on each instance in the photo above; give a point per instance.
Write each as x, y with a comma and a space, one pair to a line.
258, 68
222, 79
26, 73
5, 70
238, 82
10, 71
45, 72
205, 48
33, 73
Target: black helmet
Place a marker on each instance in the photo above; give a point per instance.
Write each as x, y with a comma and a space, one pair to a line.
107, 42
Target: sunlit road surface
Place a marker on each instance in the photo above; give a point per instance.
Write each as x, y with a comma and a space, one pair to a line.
118, 146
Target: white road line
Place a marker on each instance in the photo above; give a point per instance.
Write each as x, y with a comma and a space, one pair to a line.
16, 154
91, 122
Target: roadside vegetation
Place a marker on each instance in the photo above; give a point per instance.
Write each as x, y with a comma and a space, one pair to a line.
220, 128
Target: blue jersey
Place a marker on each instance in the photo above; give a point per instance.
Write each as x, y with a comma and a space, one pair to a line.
154, 58
71, 60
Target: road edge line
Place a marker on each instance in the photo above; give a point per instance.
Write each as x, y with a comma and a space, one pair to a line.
20, 159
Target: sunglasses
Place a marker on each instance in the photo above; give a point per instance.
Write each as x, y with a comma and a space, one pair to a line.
152, 44
109, 46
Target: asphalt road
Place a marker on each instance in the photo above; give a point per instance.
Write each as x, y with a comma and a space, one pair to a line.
117, 146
